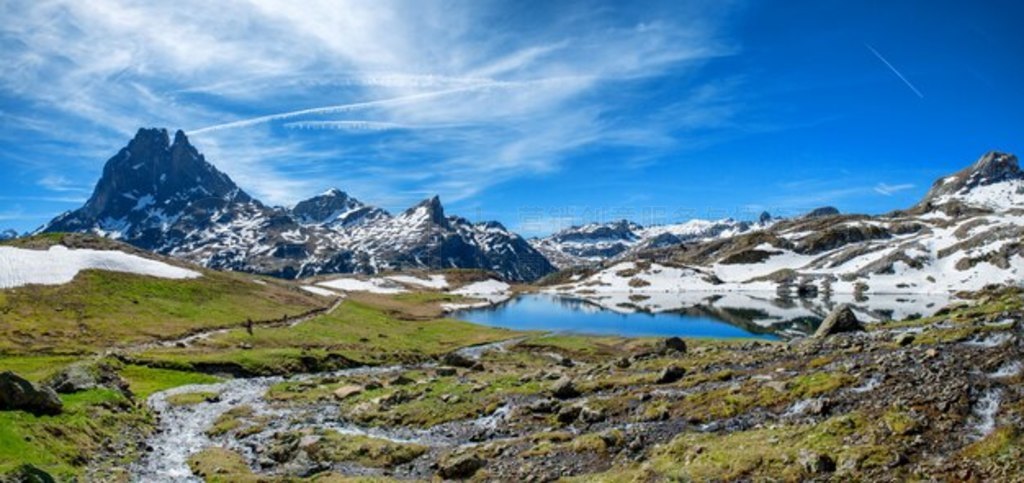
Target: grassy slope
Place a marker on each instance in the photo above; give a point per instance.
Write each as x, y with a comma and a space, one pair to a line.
100, 310
366, 330
44, 328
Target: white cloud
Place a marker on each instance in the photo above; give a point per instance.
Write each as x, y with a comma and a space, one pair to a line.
263, 84
890, 189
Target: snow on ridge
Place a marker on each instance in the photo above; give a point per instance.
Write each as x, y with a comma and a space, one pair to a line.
489, 292
60, 265
438, 282
320, 291
373, 285
487, 287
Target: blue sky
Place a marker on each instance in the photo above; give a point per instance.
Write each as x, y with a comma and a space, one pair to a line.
537, 114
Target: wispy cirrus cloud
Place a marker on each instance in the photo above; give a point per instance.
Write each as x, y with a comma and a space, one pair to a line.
287, 99
890, 189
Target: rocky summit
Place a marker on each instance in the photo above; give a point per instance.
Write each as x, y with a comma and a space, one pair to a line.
164, 196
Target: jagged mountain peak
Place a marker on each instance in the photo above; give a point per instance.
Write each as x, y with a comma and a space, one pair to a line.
429, 209
335, 207
994, 181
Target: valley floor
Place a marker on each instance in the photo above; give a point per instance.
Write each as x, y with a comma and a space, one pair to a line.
385, 387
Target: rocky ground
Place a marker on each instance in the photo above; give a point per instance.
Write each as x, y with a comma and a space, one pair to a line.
935, 398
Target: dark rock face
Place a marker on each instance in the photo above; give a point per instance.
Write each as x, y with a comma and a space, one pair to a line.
460, 467
993, 167
842, 319
153, 192
165, 197
336, 208
823, 211
16, 393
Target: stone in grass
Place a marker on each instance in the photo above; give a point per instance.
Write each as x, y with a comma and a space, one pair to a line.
904, 339
445, 371
840, 320
400, 380
84, 376
564, 389
455, 359
568, 414
459, 467
18, 393
672, 345
27, 473
816, 463
345, 392
671, 374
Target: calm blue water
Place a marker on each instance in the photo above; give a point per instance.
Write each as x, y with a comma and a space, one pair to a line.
551, 313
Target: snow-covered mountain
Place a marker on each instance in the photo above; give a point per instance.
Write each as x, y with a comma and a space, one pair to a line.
597, 242
163, 196
8, 234
966, 233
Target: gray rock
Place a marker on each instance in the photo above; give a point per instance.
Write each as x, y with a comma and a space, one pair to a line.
445, 371
460, 467
83, 376
543, 406
455, 359
564, 389
569, 414
816, 463
842, 319
904, 339
672, 344
16, 393
400, 380
588, 415
28, 473
671, 374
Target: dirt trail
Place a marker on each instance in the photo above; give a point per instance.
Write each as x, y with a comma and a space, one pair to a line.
194, 336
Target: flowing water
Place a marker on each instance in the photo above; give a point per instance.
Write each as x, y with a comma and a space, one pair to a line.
182, 428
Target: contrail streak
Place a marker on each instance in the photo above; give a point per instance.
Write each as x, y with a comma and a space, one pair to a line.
330, 109
383, 102
894, 71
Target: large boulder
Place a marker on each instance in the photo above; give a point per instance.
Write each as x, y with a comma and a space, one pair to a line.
842, 319
84, 376
16, 393
671, 374
454, 359
564, 389
672, 345
459, 467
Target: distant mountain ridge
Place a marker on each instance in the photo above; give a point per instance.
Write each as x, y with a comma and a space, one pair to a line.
164, 196
966, 233
597, 242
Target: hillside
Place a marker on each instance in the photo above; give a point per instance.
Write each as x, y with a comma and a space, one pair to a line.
114, 304
964, 235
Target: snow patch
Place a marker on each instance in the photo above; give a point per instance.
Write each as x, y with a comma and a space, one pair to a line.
373, 285
320, 291
60, 265
438, 282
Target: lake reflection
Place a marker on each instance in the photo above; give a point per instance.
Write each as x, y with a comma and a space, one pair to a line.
691, 314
